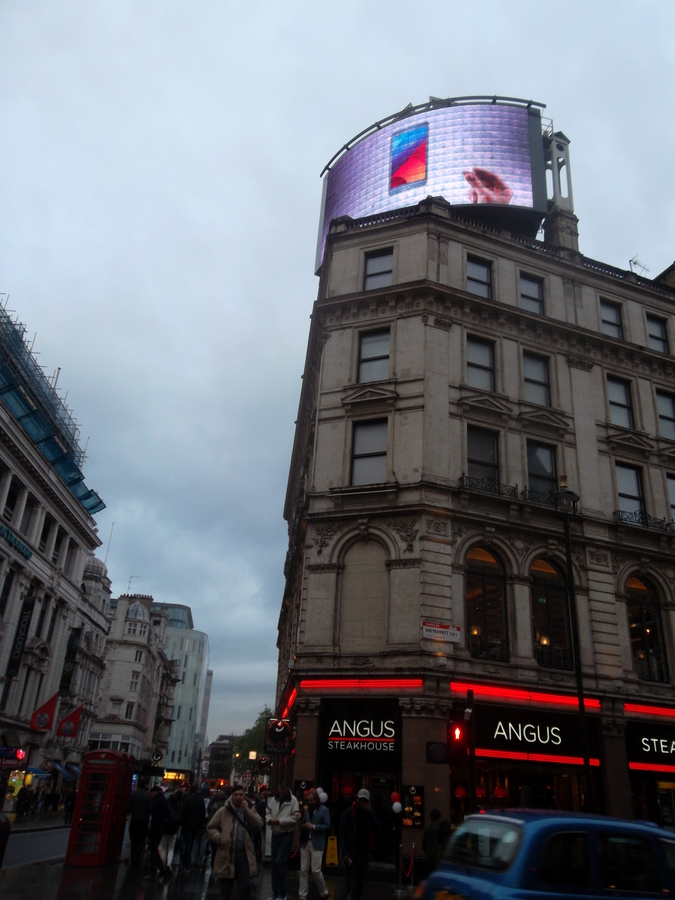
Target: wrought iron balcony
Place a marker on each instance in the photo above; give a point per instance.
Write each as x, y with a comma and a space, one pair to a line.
488, 485
545, 498
639, 517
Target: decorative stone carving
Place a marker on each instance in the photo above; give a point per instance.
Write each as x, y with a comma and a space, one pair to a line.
406, 532
440, 322
324, 567
437, 526
403, 563
361, 661
619, 560
362, 396
576, 362
324, 535
598, 557
433, 707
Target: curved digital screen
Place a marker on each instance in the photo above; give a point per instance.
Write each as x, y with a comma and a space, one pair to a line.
478, 154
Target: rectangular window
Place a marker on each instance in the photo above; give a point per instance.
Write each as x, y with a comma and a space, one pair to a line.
133, 686
173, 756
610, 317
620, 407
374, 356
480, 364
52, 623
671, 496
627, 863
190, 715
536, 388
483, 454
479, 277
139, 656
369, 455
541, 471
629, 484
666, 405
379, 269
531, 294
178, 713
185, 661
565, 860
657, 329
129, 713
132, 627
194, 680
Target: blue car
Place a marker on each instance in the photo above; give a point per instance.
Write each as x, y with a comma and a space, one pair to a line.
528, 855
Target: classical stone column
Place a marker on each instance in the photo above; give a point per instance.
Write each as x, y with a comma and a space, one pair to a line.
36, 523
5, 482
63, 552
20, 508
305, 762
614, 766
51, 540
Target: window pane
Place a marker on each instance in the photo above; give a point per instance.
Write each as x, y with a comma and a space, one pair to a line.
531, 305
369, 470
618, 392
478, 271
628, 481
540, 459
628, 864
374, 370
671, 491
383, 279
536, 393
479, 378
482, 446
380, 263
658, 335
529, 287
666, 403
370, 437
479, 352
535, 368
565, 860
621, 416
375, 344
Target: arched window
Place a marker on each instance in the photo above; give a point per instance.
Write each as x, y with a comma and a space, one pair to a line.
550, 617
646, 632
486, 606
363, 610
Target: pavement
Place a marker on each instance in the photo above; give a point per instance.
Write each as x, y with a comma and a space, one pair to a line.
44, 823
53, 881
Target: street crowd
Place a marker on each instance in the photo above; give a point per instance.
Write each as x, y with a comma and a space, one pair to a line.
38, 803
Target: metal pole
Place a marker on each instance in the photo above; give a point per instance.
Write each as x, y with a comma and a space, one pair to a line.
472, 751
588, 799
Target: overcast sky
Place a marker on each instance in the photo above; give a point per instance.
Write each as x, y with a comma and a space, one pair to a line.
159, 200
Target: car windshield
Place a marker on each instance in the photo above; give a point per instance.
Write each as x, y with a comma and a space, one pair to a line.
484, 844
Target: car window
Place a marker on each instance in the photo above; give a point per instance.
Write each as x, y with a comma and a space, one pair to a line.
564, 860
484, 844
669, 853
627, 863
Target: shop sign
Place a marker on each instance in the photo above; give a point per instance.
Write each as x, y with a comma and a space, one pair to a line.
448, 634
531, 731
69, 661
13, 540
278, 736
647, 743
353, 730
15, 654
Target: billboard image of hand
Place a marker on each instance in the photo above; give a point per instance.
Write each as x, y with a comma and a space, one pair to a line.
487, 187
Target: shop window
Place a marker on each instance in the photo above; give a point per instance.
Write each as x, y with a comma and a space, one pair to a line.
531, 294
550, 617
374, 356
369, 455
379, 269
657, 329
620, 405
536, 387
646, 631
486, 606
610, 319
479, 277
666, 406
628, 864
565, 860
480, 364
363, 601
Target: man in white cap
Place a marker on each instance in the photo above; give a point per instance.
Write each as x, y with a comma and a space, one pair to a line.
357, 825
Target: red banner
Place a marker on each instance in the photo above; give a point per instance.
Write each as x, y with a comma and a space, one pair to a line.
43, 717
68, 726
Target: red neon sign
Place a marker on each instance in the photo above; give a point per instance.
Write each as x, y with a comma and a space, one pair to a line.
535, 757
649, 710
289, 705
508, 693
20, 754
361, 684
650, 767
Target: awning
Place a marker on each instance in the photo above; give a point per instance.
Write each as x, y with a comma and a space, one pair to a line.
38, 773
63, 772
74, 768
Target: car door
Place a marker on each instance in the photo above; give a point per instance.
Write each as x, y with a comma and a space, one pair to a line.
628, 865
563, 867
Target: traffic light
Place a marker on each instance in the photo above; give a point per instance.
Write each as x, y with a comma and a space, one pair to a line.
458, 735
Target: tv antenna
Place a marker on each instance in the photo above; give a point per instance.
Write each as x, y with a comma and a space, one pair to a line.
635, 263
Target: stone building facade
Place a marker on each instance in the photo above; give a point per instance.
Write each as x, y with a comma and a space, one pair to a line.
454, 371
137, 693
52, 607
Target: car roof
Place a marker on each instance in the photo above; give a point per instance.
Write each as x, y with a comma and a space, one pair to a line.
538, 818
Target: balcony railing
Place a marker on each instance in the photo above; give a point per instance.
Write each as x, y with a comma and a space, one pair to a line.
639, 517
545, 498
488, 485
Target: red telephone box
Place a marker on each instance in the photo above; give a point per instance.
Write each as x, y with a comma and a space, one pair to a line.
100, 812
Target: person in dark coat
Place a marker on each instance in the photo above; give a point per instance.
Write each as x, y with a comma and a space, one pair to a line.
194, 817
138, 808
357, 825
160, 814
430, 843
69, 805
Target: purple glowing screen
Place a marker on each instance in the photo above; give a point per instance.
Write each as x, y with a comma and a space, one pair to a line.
471, 154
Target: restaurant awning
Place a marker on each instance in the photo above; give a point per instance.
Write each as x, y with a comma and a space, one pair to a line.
38, 773
74, 768
63, 772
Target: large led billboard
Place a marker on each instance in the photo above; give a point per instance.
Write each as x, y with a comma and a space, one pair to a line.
488, 156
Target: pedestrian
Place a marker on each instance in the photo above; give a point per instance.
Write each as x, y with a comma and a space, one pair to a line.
231, 830
194, 816
430, 843
260, 808
168, 841
69, 805
356, 828
315, 824
217, 802
282, 815
22, 802
138, 808
38, 801
159, 819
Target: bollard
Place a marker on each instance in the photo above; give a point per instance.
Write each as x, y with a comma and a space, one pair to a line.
5, 828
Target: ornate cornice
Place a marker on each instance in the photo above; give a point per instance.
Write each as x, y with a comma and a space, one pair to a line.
403, 563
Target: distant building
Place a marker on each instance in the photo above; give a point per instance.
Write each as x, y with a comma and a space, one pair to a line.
201, 740
136, 705
52, 622
220, 756
190, 649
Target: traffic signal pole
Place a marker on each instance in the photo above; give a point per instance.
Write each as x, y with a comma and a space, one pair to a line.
472, 752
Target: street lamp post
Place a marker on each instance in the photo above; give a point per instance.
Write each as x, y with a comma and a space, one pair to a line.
566, 510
